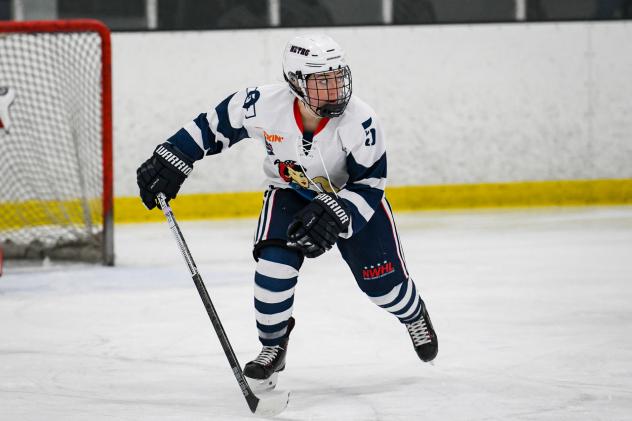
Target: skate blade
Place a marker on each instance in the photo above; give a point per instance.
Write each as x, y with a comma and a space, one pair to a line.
272, 403
263, 385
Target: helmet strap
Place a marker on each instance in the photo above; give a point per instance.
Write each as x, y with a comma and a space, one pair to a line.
300, 91
310, 108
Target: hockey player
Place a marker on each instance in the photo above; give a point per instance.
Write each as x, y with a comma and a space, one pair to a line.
326, 172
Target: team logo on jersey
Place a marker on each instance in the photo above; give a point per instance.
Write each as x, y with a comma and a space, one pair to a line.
291, 172
294, 174
377, 271
6, 99
272, 137
252, 96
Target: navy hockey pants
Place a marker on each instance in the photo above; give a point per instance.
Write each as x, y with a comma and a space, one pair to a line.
374, 255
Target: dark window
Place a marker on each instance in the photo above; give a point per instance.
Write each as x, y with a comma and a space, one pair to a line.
474, 10
305, 13
237, 14
568, 9
413, 11
330, 12
117, 14
355, 12
5, 10
584, 9
196, 14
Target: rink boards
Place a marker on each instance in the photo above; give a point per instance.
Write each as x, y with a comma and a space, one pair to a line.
404, 198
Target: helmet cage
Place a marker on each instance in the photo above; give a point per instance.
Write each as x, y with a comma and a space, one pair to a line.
337, 80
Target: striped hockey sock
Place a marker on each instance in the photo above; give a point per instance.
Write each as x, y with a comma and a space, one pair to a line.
402, 301
275, 279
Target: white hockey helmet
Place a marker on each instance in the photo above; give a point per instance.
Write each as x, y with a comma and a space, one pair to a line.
320, 57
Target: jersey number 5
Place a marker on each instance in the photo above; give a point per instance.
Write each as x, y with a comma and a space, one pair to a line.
369, 132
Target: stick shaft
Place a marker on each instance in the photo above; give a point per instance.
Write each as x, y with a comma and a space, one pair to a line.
251, 399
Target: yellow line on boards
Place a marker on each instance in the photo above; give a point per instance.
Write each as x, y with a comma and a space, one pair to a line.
192, 206
451, 196
19, 214
516, 194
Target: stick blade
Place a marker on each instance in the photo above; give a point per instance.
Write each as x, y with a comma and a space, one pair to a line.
272, 403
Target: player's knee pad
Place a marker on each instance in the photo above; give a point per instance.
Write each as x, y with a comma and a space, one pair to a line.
278, 252
280, 255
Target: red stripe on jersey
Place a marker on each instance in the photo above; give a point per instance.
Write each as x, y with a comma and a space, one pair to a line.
321, 125
297, 115
299, 120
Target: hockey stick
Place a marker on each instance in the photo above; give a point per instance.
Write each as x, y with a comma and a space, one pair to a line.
276, 402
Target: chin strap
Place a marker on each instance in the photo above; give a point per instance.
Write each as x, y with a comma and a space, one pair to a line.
306, 105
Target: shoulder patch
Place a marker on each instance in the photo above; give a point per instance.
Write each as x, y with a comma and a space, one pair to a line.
252, 96
369, 132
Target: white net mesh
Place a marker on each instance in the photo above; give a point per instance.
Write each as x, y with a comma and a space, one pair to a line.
51, 153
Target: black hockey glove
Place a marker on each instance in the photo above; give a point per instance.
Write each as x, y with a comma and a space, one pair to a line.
164, 173
316, 227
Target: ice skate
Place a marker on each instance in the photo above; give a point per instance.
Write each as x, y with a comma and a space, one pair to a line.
262, 372
424, 337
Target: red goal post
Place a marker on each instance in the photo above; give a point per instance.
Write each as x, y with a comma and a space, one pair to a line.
56, 193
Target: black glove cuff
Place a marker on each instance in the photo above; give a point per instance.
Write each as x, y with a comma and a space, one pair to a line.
170, 156
335, 209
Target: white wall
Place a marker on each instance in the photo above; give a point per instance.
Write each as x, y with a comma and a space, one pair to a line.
460, 103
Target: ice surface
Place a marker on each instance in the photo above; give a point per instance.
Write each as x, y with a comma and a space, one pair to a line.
533, 310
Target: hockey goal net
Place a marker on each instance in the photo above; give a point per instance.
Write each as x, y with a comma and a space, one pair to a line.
56, 141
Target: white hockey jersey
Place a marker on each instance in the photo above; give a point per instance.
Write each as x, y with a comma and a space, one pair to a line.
347, 154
